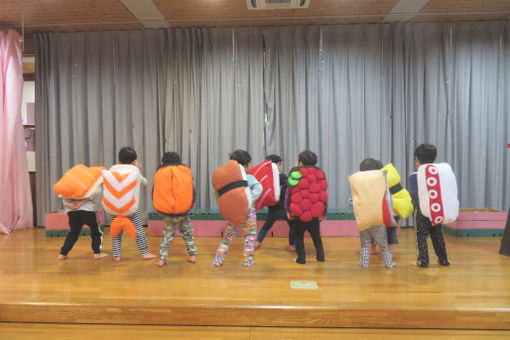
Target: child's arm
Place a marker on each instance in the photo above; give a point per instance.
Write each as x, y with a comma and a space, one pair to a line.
413, 188
256, 190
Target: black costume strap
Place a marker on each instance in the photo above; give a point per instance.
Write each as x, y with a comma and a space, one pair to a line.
396, 188
231, 186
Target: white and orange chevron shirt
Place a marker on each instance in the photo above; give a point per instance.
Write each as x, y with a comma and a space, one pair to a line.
121, 195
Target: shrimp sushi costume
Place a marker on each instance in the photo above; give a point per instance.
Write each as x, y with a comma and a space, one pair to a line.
371, 199
437, 192
121, 197
308, 192
173, 190
402, 202
268, 175
234, 197
79, 182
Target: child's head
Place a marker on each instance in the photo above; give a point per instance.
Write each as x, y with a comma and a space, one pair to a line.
424, 154
171, 158
276, 160
127, 155
242, 157
370, 164
307, 158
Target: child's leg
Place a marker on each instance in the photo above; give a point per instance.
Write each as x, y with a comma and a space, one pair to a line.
437, 237
392, 235
292, 235
364, 254
422, 232
299, 232
187, 234
249, 238
314, 230
380, 237
96, 234
116, 245
268, 224
168, 236
222, 251
76, 222
141, 239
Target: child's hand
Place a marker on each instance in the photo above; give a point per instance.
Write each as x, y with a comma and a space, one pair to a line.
138, 165
322, 218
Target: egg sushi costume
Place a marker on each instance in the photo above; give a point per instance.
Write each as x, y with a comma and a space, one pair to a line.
173, 189
121, 197
234, 197
79, 182
268, 175
371, 199
308, 193
402, 202
437, 192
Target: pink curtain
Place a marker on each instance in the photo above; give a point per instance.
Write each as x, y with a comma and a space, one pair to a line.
15, 197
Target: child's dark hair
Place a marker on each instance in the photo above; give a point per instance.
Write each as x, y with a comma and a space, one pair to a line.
127, 155
370, 164
171, 158
307, 157
426, 153
240, 156
274, 158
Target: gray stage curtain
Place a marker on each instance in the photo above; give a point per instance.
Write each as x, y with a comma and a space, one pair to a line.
345, 91
194, 91
357, 91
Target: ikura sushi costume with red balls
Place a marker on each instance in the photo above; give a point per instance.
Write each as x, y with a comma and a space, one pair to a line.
236, 194
121, 199
306, 202
433, 188
373, 211
78, 187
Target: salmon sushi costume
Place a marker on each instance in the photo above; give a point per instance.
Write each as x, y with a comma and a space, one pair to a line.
79, 182
402, 202
373, 211
234, 197
308, 190
268, 175
437, 192
121, 197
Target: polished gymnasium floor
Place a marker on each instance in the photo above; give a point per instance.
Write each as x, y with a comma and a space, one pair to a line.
80, 298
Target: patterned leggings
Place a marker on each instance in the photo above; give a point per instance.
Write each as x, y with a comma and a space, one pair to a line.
378, 234
141, 239
172, 223
424, 227
250, 235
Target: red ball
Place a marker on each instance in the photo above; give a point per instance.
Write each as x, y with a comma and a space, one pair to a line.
304, 193
314, 197
315, 187
295, 209
320, 175
323, 184
323, 196
317, 209
306, 205
311, 178
306, 217
296, 198
303, 184
304, 171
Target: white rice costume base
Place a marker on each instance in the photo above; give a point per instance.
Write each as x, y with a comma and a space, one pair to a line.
437, 191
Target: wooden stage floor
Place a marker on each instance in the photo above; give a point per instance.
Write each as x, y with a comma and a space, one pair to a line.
472, 294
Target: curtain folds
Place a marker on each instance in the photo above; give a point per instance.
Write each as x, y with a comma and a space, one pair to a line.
15, 197
346, 92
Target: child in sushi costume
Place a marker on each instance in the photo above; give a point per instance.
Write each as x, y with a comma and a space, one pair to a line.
423, 155
250, 227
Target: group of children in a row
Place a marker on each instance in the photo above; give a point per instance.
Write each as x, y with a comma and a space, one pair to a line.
82, 211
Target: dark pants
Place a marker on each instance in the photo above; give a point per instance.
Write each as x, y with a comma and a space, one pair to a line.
272, 216
77, 219
313, 228
424, 227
